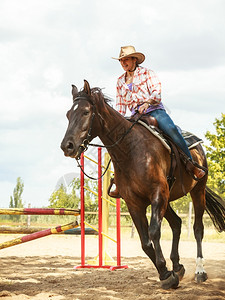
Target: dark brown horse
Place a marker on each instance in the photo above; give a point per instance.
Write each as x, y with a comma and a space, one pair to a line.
141, 165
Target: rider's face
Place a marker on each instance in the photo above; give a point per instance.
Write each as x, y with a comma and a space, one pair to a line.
128, 63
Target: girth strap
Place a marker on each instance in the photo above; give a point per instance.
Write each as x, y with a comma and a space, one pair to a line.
175, 161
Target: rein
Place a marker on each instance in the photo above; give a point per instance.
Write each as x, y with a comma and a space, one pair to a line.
119, 140
90, 177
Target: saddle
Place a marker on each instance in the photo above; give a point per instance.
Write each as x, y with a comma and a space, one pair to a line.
177, 156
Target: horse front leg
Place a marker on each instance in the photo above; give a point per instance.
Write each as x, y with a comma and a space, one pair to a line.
175, 224
169, 279
140, 220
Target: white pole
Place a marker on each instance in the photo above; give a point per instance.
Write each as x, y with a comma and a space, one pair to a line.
189, 219
28, 217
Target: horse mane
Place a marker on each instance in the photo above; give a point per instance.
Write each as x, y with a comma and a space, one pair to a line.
98, 95
100, 99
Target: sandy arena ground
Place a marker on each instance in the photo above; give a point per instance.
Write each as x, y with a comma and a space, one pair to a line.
43, 269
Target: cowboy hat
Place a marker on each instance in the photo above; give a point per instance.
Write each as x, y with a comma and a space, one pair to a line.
129, 51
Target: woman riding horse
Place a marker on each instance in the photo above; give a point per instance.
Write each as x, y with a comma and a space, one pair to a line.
142, 164
139, 89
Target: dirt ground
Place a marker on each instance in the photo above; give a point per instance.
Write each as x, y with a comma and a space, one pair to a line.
43, 269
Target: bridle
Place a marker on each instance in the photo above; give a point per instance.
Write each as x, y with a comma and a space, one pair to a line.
84, 145
86, 142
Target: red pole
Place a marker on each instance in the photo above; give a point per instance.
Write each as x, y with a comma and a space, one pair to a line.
100, 205
118, 232
82, 208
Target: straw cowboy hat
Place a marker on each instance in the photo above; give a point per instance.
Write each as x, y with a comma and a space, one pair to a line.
129, 51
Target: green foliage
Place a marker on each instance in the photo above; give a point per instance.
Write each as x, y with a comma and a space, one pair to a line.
123, 208
60, 198
181, 205
216, 162
71, 198
216, 156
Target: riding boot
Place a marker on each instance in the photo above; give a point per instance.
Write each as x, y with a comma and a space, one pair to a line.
115, 193
195, 170
198, 173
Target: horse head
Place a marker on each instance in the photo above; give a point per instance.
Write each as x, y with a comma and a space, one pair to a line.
81, 122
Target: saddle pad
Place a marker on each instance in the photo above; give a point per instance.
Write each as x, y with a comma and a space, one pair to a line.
190, 139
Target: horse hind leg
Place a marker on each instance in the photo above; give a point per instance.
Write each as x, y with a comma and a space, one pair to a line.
198, 198
175, 223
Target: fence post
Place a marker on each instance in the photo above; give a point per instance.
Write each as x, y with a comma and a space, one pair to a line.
28, 217
189, 219
132, 230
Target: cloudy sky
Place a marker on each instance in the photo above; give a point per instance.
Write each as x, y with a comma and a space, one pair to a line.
46, 45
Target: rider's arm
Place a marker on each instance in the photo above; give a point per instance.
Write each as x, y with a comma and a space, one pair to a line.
121, 107
154, 87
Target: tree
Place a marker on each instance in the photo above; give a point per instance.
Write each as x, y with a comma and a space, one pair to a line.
181, 205
216, 156
60, 198
16, 199
71, 198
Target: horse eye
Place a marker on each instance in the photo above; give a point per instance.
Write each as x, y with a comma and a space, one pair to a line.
86, 112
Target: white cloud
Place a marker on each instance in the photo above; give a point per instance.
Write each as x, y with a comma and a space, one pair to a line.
53, 77
198, 90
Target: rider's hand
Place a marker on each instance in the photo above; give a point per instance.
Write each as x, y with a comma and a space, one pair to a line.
143, 108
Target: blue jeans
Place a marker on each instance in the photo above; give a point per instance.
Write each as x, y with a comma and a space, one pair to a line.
168, 127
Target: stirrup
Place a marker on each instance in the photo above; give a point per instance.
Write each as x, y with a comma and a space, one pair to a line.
115, 193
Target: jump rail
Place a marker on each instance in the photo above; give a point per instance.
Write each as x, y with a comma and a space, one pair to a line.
42, 233
100, 262
38, 235
39, 211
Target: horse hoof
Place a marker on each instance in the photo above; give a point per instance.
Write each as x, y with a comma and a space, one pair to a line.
201, 277
171, 282
180, 273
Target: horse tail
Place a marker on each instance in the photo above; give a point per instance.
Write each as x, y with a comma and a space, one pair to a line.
215, 207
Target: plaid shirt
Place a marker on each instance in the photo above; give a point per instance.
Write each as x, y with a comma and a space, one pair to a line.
146, 86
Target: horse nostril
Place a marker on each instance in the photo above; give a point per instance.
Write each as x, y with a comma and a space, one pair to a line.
67, 147
70, 146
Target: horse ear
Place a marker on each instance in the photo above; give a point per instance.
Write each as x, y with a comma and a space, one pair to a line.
87, 88
74, 91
